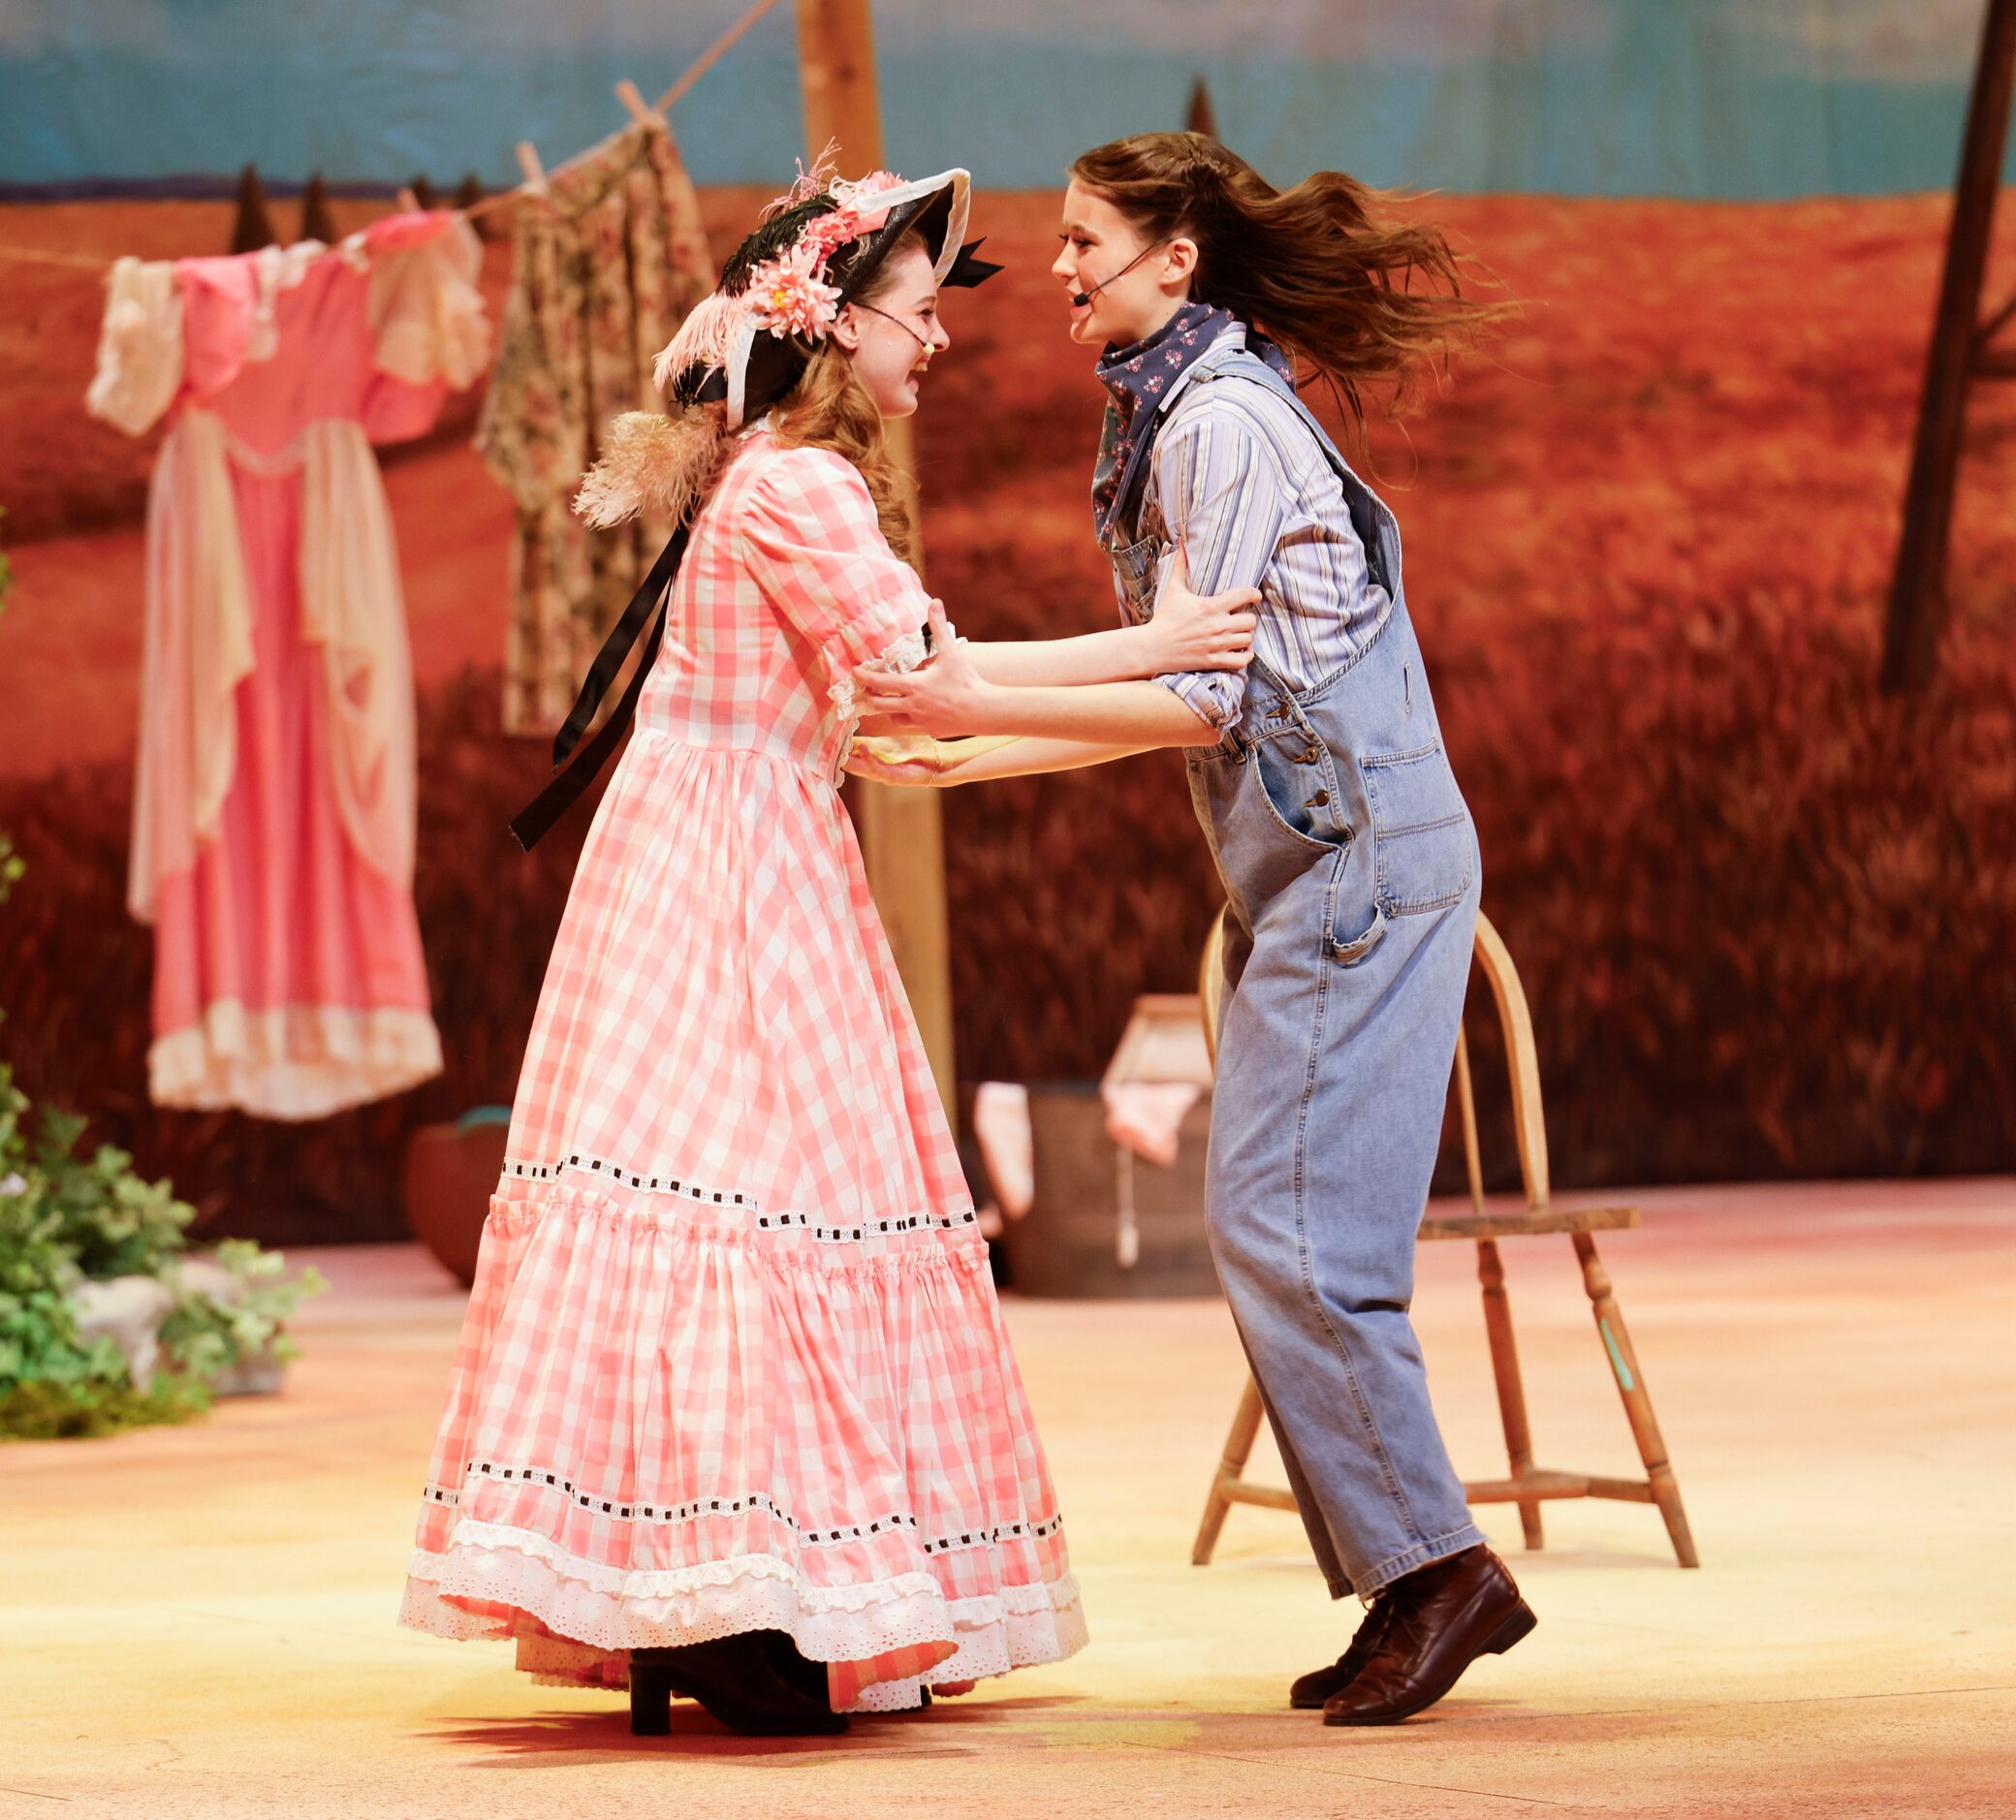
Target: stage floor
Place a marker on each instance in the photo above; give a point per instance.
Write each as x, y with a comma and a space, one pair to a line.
199, 1621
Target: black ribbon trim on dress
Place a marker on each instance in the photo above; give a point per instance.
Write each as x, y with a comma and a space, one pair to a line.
531, 824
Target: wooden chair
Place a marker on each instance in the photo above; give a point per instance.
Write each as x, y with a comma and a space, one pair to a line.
1527, 1486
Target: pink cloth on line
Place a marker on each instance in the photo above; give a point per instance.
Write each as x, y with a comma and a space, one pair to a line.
273, 814
733, 1361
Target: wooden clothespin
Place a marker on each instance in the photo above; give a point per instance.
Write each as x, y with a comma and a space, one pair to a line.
634, 104
529, 163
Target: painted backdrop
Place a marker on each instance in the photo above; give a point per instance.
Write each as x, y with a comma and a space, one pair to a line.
1763, 914
1682, 98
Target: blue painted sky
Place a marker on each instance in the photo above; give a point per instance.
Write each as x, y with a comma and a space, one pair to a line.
1683, 98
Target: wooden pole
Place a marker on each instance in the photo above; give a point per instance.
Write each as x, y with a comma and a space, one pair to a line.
902, 835
1918, 593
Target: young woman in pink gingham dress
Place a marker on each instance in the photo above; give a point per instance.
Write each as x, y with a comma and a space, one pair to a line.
732, 1359
734, 1399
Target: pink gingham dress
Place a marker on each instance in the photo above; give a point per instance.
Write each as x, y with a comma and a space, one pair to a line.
733, 1360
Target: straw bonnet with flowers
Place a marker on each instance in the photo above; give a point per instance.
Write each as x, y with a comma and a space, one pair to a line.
740, 352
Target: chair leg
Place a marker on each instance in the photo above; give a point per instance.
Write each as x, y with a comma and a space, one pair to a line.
1504, 1368
1637, 1400
1239, 1448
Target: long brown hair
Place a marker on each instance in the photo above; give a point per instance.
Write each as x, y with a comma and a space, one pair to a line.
1329, 270
829, 408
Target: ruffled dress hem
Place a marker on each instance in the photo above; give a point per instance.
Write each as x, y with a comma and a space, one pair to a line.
575, 1620
295, 1062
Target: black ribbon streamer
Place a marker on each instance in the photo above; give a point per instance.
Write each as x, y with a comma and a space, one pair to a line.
775, 365
968, 269
531, 824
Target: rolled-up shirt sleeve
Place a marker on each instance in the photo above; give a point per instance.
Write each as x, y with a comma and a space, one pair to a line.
1221, 495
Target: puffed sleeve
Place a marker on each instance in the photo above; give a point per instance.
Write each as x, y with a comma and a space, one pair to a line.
139, 346
812, 541
428, 317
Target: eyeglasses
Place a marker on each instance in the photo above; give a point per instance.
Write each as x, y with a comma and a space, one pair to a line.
923, 341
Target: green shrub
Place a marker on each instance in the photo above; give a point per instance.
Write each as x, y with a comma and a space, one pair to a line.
66, 1219
205, 1337
39, 1338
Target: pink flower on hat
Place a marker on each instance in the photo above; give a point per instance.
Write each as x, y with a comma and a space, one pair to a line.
827, 234
853, 198
787, 296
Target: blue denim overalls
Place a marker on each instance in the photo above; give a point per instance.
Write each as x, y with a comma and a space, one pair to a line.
1351, 871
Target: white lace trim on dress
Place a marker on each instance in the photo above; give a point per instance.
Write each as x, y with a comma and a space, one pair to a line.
297, 1061
139, 346
899, 658
198, 649
571, 1617
427, 311
276, 269
353, 607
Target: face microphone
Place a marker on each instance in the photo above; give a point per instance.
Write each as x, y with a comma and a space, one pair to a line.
1080, 298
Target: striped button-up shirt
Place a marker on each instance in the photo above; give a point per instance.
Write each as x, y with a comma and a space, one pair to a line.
1239, 476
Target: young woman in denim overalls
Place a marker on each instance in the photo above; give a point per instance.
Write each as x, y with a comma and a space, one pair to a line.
1348, 858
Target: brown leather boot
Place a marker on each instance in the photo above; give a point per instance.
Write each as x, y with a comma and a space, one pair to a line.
1443, 1617
1309, 1691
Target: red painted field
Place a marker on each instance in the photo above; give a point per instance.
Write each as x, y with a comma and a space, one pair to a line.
1763, 914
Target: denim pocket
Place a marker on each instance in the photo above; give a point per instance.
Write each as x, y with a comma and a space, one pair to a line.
1349, 953
1295, 781
1422, 837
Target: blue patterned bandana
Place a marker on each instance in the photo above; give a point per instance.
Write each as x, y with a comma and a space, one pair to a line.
1138, 378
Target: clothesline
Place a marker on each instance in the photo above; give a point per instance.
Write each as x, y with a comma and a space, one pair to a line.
536, 179
43, 256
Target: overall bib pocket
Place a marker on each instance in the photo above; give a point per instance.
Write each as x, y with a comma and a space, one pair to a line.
1424, 846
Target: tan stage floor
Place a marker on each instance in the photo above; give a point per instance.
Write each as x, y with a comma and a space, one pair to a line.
199, 1621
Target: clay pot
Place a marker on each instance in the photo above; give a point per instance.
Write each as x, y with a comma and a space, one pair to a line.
450, 1173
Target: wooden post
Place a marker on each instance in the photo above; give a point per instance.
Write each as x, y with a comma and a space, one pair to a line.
1959, 353
901, 837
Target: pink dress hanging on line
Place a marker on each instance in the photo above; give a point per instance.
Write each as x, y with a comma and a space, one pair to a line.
274, 805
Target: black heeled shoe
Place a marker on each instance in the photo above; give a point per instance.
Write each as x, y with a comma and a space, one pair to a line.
800, 1672
737, 1680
